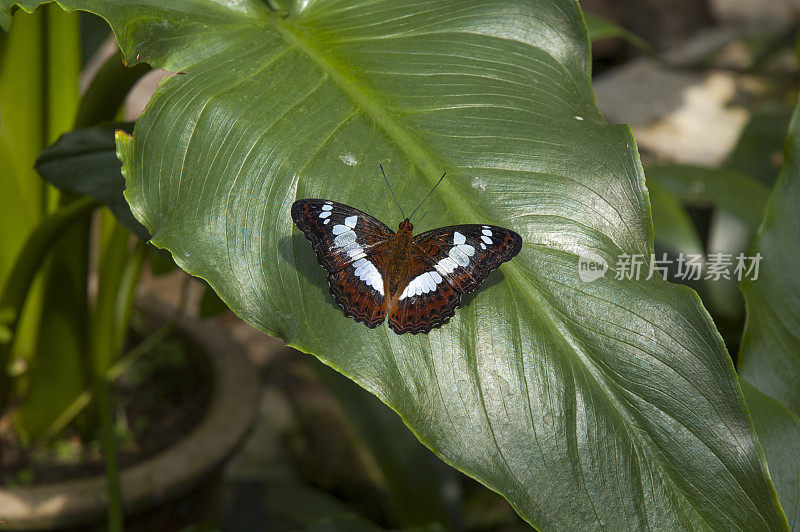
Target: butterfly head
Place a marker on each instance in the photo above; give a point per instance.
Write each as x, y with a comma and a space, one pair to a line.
406, 226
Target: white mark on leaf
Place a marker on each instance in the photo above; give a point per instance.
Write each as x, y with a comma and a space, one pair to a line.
348, 159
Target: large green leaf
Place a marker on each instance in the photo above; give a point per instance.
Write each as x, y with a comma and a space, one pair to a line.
770, 354
587, 405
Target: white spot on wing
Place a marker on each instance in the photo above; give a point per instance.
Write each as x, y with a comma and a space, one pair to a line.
421, 284
458, 238
459, 256
446, 265
486, 239
345, 238
483, 246
367, 272
326, 222
487, 232
324, 214
339, 229
351, 221
327, 207
417, 289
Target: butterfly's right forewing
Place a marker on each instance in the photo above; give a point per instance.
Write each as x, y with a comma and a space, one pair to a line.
351, 245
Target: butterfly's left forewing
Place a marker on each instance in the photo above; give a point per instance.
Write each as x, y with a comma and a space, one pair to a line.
351, 245
339, 233
446, 263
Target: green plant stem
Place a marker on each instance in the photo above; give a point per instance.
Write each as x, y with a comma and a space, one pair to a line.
124, 362
110, 272
113, 373
126, 293
105, 408
141, 349
28, 263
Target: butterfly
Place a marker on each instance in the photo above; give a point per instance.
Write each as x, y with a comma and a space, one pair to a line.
417, 281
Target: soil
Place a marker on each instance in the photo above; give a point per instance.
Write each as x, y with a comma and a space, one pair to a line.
158, 400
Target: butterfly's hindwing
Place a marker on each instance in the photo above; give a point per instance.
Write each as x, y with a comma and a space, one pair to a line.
447, 263
359, 288
424, 300
349, 244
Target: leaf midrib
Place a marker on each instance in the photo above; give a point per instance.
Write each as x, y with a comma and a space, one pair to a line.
373, 107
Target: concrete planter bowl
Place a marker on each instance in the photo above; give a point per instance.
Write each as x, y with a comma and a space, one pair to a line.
167, 475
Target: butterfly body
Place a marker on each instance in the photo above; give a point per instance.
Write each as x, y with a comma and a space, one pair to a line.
417, 281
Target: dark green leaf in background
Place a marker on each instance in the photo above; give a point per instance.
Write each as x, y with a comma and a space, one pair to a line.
601, 28
778, 430
672, 226
770, 355
759, 151
84, 162
769, 358
587, 405
723, 188
415, 486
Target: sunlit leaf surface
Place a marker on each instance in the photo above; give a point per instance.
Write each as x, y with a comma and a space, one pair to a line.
588, 405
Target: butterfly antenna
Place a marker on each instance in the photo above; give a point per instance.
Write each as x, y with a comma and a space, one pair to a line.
428, 196
392, 191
